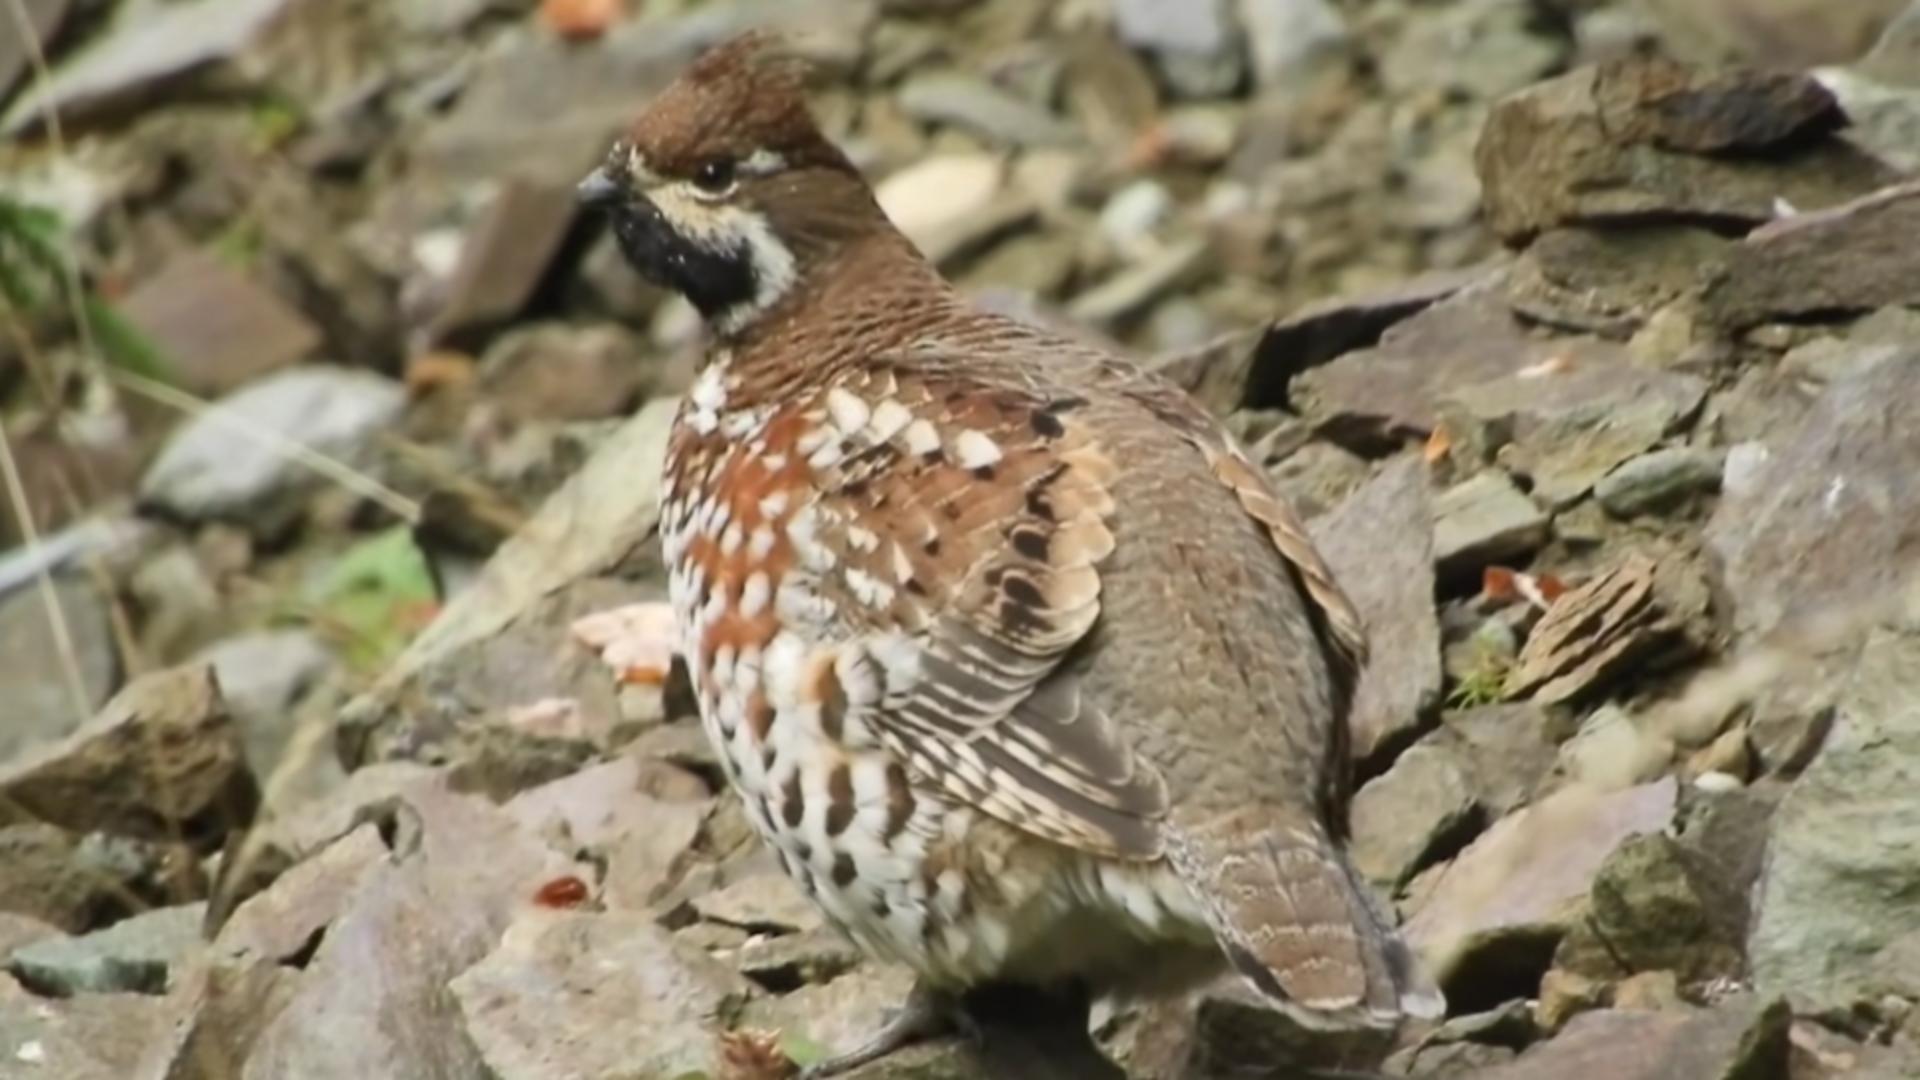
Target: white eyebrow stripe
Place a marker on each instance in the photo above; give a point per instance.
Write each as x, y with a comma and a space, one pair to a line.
762, 162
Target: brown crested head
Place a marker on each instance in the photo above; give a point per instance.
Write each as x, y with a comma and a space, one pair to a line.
739, 98
725, 190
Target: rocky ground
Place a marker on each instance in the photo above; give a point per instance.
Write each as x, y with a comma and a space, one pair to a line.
335, 735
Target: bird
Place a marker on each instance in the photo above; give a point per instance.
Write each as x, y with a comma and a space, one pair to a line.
1019, 664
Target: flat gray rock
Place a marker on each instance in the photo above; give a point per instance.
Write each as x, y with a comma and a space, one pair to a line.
1835, 893
504, 640
163, 756
1830, 517
136, 955
1851, 257
1379, 543
584, 994
374, 999
1484, 519
1735, 1040
226, 463
37, 702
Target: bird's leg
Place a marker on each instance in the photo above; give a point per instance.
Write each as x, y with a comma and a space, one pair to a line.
927, 1014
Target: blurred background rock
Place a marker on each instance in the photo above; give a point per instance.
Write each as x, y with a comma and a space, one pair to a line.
1594, 320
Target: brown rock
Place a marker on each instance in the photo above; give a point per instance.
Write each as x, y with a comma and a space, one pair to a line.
1379, 544
212, 1018
1655, 907
90, 1037
1710, 112
1777, 34
764, 903
602, 803
835, 1016
1225, 1030
1648, 140
1566, 423
578, 994
1316, 477
505, 641
1504, 903
1255, 371
1483, 520
1509, 750
641, 818
1738, 1040
1593, 632
74, 884
283, 921
1391, 392
504, 259
1401, 816
39, 704
162, 760
216, 327
560, 372
371, 795
374, 1000
1851, 257
17, 930
1829, 518
1609, 281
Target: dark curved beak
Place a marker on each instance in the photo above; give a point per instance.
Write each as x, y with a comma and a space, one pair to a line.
598, 191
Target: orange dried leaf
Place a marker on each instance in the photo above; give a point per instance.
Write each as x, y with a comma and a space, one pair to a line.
642, 675
1149, 149
580, 19
1439, 443
436, 370
754, 1055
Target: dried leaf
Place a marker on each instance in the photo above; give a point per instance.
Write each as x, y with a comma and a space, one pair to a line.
637, 641
438, 370
755, 1055
581, 19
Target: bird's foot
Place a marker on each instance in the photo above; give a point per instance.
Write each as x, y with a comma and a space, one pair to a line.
927, 1014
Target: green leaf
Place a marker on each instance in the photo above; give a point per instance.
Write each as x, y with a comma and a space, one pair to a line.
801, 1050
376, 597
122, 343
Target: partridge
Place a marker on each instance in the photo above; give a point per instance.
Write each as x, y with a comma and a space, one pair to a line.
1019, 664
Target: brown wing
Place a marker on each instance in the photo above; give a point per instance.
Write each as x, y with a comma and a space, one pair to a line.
1337, 622
969, 523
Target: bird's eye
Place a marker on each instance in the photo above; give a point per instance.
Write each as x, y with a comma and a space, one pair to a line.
714, 176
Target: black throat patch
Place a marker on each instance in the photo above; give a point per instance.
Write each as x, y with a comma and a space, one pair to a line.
715, 281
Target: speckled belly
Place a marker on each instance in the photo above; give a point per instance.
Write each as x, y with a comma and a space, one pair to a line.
792, 696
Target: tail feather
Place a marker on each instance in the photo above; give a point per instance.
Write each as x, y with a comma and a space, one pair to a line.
1297, 921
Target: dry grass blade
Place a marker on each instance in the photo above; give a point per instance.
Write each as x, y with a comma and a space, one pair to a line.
56, 615
331, 468
56, 138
